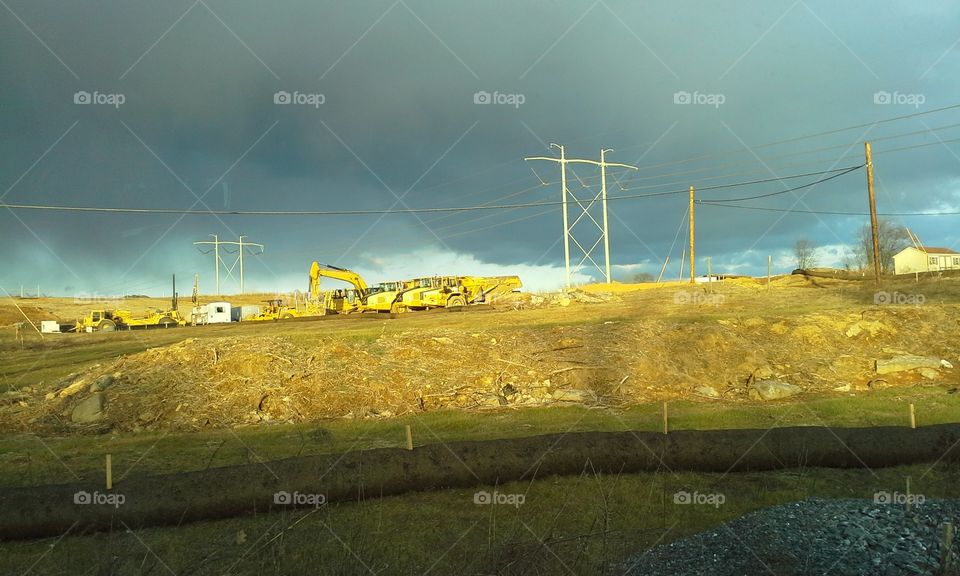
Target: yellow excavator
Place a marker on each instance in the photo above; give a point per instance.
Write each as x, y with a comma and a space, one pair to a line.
338, 301
381, 297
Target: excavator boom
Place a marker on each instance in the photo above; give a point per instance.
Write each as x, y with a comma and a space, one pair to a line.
318, 271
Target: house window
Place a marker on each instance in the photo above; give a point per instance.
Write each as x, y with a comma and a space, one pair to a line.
933, 260
956, 261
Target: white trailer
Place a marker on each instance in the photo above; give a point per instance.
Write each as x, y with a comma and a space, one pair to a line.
219, 313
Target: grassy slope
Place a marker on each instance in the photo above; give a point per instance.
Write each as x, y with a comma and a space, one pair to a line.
29, 460
572, 525
566, 523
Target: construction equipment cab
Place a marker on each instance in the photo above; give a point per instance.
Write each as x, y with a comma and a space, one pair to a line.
337, 302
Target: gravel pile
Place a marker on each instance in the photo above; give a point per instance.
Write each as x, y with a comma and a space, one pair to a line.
815, 536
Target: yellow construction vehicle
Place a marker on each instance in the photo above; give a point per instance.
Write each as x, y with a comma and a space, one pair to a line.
384, 297
451, 291
361, 298
275, 309
110, 320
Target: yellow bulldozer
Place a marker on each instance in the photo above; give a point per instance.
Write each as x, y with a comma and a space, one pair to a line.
275, 309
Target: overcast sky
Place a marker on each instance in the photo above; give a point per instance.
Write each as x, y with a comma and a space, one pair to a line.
418, 104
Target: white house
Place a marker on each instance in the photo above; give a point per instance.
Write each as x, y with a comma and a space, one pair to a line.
925, 259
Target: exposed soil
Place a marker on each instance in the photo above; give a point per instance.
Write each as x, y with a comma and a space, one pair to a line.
247, 379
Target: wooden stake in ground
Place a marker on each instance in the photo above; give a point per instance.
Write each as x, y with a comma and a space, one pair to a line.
913, 416
109, 472
909, 498
666, 429
409, 438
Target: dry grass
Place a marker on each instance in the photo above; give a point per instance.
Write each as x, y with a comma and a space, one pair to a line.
644, 346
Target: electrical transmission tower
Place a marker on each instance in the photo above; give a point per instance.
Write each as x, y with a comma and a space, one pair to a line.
585, 206
229, 267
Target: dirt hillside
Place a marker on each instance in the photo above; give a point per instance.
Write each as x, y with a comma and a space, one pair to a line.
224, 381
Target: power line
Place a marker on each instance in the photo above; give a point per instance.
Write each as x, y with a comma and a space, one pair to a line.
799, 138
842, 170
769, 194
394, 211
937, 143
828, 212
788, 155
498, 224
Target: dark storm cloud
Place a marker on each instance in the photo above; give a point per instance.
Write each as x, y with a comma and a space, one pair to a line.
398, 118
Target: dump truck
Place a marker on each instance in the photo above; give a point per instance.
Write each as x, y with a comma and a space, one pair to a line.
384, 297
451, 291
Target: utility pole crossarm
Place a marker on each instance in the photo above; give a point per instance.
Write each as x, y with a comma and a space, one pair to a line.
241, 243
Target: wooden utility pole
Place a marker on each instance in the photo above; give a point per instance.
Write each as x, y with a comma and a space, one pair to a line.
692, 235
873, 213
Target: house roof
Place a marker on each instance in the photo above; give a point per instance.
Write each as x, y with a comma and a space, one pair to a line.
932, 250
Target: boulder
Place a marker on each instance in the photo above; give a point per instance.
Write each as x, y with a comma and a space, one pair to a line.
906, 362
572, 396
929, 373
89, 410
708, 391
772, 390
102, 383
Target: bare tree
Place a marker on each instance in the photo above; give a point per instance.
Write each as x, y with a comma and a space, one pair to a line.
805, 253
892, 238
641, 277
